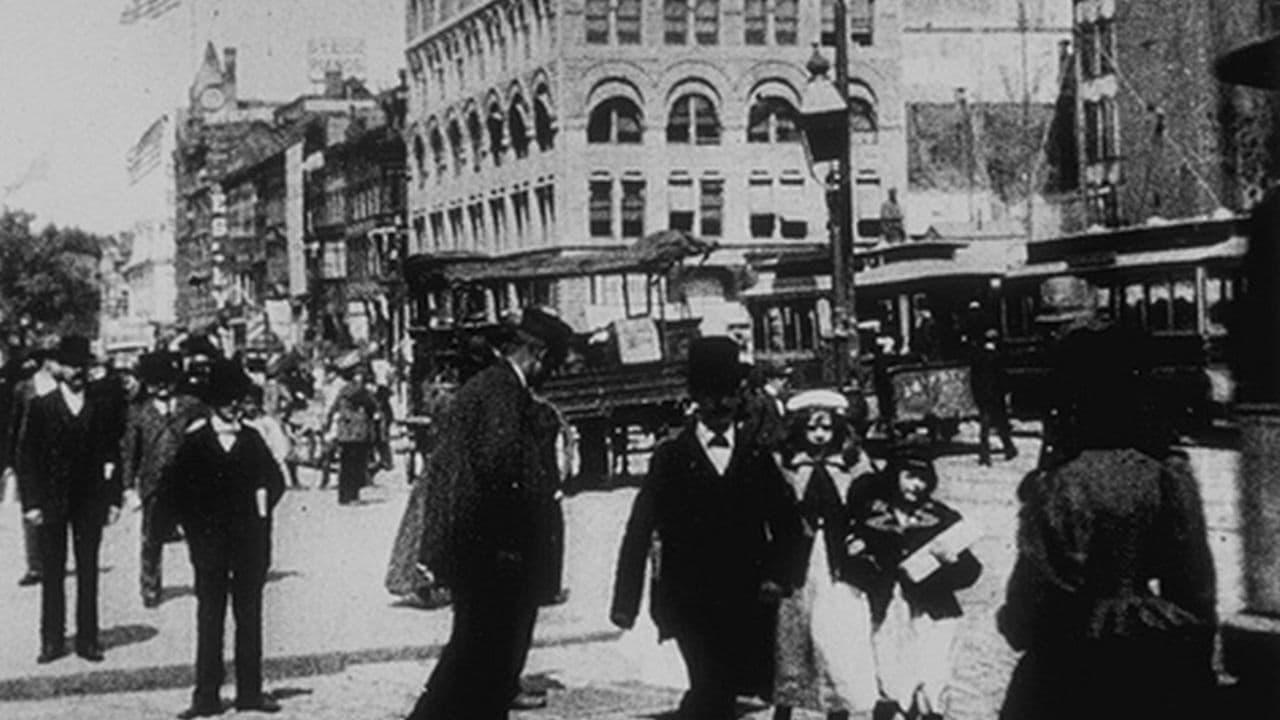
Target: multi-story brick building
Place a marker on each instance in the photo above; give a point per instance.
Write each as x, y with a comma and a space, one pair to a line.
355, 226
1158, 136
552, 126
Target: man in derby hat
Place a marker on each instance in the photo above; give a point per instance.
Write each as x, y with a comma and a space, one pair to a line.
486, 524
69, 486
37, 379
701, 497
225, 485
153, 432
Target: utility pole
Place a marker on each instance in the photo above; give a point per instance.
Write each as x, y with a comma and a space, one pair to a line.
844, 297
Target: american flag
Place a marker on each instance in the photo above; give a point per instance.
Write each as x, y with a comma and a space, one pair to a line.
138, 10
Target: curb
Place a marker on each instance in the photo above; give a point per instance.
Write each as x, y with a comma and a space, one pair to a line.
167, 677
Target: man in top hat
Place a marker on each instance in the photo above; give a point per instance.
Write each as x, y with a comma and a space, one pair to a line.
225, 485
153, 432
486, 535
69, 484
1068, 310
38, 380
701, 497
768, 383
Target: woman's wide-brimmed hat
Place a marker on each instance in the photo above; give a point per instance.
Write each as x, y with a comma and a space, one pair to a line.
818, 400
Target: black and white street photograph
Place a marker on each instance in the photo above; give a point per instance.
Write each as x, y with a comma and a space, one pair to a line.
640, 359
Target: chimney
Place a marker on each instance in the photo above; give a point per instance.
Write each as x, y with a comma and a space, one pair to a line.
333, 83
229, 71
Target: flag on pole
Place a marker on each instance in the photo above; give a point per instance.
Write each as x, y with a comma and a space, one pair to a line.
138, 10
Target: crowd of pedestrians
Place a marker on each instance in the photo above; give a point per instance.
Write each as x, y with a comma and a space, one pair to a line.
785, 562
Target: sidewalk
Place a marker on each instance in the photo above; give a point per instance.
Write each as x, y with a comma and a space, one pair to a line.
325, 606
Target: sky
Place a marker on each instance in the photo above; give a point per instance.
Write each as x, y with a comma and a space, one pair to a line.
80, 88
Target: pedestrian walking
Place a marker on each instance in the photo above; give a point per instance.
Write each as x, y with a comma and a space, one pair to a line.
1112, 595
917, 556
824, 657
152, 435
69, 487
702, 498
990, 389
38, 382
225, 486
352, 423
768, 385
485, 528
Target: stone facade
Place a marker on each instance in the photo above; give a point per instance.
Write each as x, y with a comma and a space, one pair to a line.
573, 124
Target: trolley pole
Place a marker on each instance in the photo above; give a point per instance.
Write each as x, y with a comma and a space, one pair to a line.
843, 297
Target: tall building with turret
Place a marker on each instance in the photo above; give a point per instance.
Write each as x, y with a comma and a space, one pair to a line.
548, 127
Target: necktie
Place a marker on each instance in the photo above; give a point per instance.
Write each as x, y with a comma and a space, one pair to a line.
718, 440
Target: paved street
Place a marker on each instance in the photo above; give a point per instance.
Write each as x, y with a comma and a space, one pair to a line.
339, 646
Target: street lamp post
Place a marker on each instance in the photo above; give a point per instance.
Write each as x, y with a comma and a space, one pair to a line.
825, 123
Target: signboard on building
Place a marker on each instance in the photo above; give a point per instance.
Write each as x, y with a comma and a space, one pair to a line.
638, 340
293, 220
344, 54
146, 154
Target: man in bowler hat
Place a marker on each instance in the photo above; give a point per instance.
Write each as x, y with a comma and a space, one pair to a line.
701, 497
69, 487
486, 533
153, 432
225, 485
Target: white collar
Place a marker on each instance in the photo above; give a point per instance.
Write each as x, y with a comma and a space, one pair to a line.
43, 382
524, 382
222, 427
73, 398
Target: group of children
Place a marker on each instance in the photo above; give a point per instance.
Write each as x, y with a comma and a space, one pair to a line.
789, 565
866, 564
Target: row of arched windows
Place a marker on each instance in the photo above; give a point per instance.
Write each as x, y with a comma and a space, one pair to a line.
470, 140
693, 120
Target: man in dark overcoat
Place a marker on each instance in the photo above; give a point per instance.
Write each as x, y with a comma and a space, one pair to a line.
701, 498
67, 472
486, 534
36, 379
225, 485
153, 432
990, 386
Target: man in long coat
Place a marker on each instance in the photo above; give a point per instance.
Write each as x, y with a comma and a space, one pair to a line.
702, 499
67, 472
152, 435
486, 534
225, 485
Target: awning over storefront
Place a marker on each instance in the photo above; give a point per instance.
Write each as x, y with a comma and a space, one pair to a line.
654, 253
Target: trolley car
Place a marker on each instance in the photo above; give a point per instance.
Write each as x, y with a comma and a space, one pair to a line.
1174, 281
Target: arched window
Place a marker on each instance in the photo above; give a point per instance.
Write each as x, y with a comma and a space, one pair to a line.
456, 147
616, 120
544, 126
497, 124
476, 131
437, 153
771, 119
518, 127
420, 158
693, 119
862, 121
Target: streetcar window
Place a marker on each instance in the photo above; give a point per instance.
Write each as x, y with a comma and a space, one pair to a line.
1159, 306
1131, 312
1219, 291
788, 327
1184, 303
1102, 300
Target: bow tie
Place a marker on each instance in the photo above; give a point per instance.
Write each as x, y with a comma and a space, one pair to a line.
718, 440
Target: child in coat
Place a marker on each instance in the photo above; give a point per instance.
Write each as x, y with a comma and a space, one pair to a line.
917, 558
823, 654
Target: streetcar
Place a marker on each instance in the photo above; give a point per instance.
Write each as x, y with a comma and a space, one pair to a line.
1175, 281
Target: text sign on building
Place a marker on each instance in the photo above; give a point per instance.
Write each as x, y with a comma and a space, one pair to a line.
345, 54
293, 210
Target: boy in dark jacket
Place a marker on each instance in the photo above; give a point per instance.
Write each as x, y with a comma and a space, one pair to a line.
916, 557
